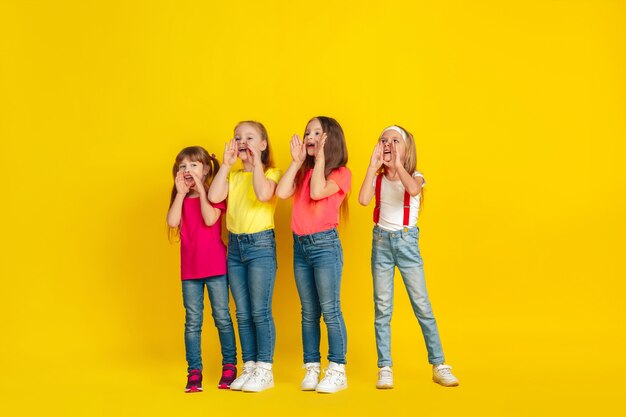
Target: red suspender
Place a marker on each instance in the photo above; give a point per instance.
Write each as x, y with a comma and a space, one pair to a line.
407, 202
379, 180
407, 208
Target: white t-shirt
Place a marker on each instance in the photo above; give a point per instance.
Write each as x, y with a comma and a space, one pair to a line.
392, 204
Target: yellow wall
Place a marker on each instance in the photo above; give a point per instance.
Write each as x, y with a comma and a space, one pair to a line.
518, 109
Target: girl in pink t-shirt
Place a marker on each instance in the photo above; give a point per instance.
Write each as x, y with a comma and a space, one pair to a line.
202, 261
319, 181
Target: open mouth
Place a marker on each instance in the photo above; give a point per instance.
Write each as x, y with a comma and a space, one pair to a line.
189, 181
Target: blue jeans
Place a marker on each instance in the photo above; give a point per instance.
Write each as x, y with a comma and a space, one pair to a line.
317, 265
400, 248
251, 275
193, 299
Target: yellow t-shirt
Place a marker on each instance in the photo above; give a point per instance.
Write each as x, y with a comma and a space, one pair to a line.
245, 213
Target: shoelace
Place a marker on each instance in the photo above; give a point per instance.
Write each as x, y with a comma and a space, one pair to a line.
311, 370
228, 373
332, 376
384, 373
247, 370
259, 374
444, 371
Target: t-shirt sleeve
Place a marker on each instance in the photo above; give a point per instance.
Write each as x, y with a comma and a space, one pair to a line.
273, 174
221, 205
419, 174
343, 178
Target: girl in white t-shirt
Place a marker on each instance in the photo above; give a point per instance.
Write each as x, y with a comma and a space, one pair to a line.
397, 187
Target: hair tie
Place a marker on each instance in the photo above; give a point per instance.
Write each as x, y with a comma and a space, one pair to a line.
396, 129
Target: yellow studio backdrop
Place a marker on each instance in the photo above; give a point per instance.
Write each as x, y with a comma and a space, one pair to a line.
519, 113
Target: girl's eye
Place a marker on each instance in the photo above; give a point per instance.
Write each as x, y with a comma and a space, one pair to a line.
396, 141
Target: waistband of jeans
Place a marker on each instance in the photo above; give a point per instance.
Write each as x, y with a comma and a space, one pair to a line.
329, 234
405, 231
251, 237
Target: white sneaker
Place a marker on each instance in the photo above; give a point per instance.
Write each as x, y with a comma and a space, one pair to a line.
334, 379
385, 378
261, 379
312, 376
443, 376
248, 368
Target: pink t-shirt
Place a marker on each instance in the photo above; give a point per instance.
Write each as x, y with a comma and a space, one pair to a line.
202, 252
312, 216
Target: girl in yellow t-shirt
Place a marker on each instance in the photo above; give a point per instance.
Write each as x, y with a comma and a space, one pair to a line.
251, 247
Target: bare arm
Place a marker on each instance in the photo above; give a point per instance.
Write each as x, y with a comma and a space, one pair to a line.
320, 186
287, 185
412, 184
219, 187
263, 187
174, 214
210, 214
367, 189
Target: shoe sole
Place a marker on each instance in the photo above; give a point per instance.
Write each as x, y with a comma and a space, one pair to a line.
385, 386
258, 390
223, 386
307, 388
330, 392
192, 390
454, 384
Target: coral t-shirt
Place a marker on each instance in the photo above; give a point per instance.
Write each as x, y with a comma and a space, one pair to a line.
202, 252
312, 216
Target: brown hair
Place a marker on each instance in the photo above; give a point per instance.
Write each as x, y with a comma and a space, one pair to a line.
335, 149
194, 154
266, 155
335, 155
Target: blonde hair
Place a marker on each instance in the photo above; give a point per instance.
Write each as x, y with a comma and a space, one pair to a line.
266, 155
410, 157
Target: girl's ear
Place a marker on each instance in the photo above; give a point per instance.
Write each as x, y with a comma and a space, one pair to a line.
263, 145
205, 170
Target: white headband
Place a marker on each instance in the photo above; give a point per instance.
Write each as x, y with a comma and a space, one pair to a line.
397, 129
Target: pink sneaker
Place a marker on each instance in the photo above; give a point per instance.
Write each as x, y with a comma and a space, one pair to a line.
229, 373
194, 381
